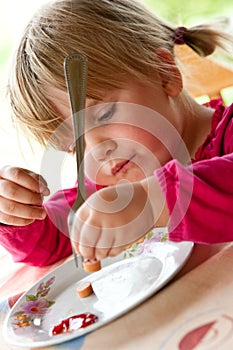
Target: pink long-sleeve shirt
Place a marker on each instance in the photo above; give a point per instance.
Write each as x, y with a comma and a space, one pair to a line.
199, 198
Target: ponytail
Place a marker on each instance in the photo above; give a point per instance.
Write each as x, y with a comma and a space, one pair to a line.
203, 39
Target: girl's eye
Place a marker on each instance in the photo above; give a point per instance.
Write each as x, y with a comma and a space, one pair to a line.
108, 114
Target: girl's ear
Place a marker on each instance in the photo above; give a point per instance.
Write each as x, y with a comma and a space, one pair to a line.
170, 76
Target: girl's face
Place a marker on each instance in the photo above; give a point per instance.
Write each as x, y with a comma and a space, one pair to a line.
128, 135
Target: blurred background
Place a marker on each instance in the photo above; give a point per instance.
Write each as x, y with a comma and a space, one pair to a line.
14, 15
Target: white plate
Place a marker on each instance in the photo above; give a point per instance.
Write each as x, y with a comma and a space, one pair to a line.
119, 286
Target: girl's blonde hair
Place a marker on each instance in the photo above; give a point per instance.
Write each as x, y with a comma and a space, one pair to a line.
119, 39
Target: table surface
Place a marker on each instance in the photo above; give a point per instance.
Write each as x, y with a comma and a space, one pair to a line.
195, 310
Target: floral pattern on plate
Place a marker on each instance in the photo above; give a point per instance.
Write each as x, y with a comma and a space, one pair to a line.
35, 306
141, 246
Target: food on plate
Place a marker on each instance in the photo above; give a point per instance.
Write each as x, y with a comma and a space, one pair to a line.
74, 323
91, 265
84, 289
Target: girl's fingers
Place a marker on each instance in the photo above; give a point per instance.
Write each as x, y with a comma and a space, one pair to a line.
15, 209
115, 251
97, 244
85, 242
25, 178
14, 221
14, 192
42, 183
104, 245
87, 252
101, 253
76, 248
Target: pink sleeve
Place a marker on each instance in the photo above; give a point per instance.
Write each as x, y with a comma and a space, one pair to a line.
200, 199
43, 242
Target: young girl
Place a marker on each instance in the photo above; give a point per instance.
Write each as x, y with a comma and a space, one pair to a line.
163, 159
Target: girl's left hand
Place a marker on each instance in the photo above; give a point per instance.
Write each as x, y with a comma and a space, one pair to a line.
115, 217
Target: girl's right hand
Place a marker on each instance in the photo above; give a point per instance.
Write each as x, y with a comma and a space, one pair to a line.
21, 196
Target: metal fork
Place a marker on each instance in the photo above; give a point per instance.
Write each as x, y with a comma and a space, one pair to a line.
75, 68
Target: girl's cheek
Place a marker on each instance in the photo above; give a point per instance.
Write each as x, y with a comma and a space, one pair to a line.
96, 172
92, 169
90, 165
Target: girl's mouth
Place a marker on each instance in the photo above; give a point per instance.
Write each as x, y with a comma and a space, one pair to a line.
122, 166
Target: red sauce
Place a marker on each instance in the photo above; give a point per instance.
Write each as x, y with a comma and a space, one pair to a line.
64, 327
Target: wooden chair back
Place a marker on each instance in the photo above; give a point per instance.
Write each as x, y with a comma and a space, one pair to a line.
203, 76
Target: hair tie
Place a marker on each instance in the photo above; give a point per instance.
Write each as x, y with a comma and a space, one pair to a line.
179, 35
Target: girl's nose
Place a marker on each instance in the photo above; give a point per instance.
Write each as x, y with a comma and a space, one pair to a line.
102, 151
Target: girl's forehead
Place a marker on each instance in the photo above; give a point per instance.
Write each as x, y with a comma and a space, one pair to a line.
56, 95
59, 99
61, 102
60, 96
